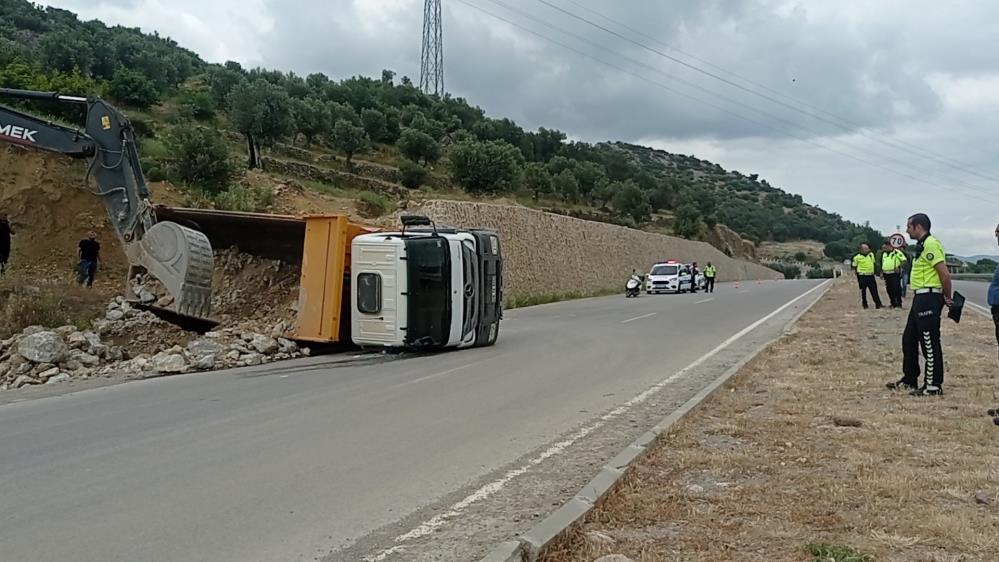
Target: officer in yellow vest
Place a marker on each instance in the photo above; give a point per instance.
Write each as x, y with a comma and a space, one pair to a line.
710, 272
931, 288
892, 261
863, 264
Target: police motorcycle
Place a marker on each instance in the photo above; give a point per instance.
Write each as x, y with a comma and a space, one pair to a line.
633, 286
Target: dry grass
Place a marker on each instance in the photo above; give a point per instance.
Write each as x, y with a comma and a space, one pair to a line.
50, 304
805, 456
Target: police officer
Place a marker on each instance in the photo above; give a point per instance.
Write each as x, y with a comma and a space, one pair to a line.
931, 288
710, 272
891, 270
863, 263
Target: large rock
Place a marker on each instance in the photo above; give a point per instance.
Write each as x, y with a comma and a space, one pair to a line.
115, 315
77, 340
252, 359
48, 374
169, 363
265, 344
202, 347
84, 358
43, 347
205, 362
24, 380
287, 346
61, 377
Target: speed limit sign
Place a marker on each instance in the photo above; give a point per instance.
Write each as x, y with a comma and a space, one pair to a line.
896, 241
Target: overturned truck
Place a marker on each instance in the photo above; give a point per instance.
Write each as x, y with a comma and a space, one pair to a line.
422, 287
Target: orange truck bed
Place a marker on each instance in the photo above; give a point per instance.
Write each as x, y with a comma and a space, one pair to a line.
320, 243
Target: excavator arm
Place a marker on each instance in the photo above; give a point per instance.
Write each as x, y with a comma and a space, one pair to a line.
179, 257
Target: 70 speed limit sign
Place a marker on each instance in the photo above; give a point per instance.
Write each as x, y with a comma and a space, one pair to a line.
896, 241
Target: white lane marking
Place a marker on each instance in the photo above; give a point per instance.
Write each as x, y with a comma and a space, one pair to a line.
628, 321
979, 308
440, 374
438, 521
704, 301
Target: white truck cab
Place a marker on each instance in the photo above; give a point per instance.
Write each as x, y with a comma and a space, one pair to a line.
667, 277
426, 288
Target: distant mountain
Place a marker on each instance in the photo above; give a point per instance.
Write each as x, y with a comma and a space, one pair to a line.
974, 259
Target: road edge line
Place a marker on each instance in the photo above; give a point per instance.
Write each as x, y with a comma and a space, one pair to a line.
528, 547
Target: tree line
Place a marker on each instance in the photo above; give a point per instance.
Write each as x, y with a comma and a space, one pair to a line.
51, 49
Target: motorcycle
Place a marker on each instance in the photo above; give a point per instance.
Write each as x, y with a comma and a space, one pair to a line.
633, 287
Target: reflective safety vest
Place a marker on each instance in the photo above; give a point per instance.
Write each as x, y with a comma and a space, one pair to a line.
864, 264
892, 261
924, 273
710, 272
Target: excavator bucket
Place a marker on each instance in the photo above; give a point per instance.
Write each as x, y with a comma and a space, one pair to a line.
182, 260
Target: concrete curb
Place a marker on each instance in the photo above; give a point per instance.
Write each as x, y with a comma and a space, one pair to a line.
530, 545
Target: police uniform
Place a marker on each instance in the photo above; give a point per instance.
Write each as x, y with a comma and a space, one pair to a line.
922, 331
865, 278
891, 267
709, 278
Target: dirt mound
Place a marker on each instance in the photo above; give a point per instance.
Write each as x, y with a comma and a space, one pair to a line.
729, 241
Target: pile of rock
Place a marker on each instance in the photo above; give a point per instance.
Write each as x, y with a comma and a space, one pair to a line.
225, 349
39, 356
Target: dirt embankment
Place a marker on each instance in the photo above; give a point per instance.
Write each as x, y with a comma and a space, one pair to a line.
806, 456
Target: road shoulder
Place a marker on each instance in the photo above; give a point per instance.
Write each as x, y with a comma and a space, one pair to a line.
808, 450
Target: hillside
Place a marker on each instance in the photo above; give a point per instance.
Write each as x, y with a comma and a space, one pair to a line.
379, 142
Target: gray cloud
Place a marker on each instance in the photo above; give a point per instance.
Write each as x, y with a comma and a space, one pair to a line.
910, 71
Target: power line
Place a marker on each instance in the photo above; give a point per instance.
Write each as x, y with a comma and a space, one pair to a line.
859, 128
709, 104
727, 81
967, 187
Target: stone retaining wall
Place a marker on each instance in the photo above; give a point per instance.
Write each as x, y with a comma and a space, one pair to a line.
548, 253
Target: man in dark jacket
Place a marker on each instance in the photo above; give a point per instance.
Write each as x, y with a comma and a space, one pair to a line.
994, 304
90, 256
6, 231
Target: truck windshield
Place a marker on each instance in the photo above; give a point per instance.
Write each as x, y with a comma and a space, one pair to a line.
429, 272
664, 270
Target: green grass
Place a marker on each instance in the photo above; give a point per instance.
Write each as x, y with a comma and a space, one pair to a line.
833, 553
520, 301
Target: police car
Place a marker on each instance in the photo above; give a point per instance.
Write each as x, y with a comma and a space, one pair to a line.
668, 277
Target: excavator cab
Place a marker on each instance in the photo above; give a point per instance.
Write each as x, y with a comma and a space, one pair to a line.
180, 257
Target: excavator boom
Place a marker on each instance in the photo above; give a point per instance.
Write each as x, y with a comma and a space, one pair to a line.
179, 257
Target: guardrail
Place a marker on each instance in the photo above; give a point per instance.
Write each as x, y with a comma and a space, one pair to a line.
972, 276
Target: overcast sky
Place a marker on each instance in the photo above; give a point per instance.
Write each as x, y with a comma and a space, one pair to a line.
903, 95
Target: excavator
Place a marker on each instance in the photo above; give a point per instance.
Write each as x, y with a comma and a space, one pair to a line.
422, 288
180, 257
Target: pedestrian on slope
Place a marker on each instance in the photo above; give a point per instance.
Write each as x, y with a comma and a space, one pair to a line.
710, 272
994, 304
863, 264
6, 231
931, 288
891, 270
90, 256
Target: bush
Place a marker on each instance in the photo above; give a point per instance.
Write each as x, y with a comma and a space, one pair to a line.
246, 199
372, 205
789, 271
820, 273
412, 174
133, 88
198, 105
202, 159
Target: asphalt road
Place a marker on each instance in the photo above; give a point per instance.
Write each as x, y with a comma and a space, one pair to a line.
976, 292
295, 461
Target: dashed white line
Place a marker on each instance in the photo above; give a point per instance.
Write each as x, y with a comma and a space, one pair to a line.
630, 320
495, 486
704, 301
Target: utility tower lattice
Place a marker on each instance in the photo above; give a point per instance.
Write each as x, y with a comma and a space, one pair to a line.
432, 56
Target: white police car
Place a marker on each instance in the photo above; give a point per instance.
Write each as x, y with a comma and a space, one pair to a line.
668, 277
